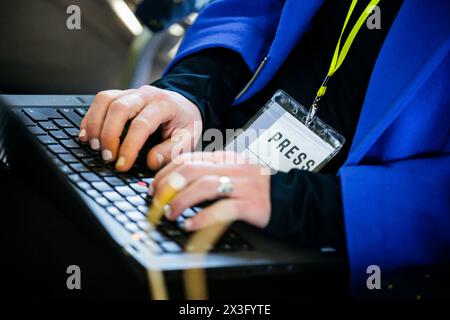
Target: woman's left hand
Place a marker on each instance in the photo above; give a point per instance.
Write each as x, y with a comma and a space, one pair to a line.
248, 199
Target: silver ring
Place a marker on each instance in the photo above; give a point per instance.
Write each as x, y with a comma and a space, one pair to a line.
225, 187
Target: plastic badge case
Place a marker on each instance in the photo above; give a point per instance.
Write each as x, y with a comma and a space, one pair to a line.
284, 112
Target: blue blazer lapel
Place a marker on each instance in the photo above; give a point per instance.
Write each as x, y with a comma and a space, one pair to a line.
413, 48
294, 21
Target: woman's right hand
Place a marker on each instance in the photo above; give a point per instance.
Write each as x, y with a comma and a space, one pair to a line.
148, 108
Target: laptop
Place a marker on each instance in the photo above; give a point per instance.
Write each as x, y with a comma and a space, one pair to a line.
117, 202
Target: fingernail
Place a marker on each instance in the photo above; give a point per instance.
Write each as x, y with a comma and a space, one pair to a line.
120, 162
107, 155
167, 210
160, 159
187, 225
82, 133
151, 190
95, 144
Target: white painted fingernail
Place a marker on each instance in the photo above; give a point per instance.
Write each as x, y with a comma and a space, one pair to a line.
151, 190
107, 155
167, 210
120, 162
95, 144
82, 133
160, 159
187, 224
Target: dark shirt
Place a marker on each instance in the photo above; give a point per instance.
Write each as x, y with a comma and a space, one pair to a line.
306, 207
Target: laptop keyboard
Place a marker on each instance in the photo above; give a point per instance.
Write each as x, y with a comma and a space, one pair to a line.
122, 195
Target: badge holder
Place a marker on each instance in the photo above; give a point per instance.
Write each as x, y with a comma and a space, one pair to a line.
284, 136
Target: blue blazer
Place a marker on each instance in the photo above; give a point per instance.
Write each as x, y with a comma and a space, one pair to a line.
396, 180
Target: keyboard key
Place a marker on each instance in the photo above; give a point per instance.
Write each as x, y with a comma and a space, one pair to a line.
91, 177
75, 178
48, 125
140, 236
94, 193
145, 197
113, 211
102, 201
153, 247
72, 132
103, 172
144, 225
40, 114
58, 134
67, 158
80, 153
170, 247
141, 175
128, 179
114, 181
136, 200
36, 130
174, 232
125, 191
93, 153
101, 186
81, 111
136, 216
63, 123
78, 167
189, 213
130, 226
148, 180
157, 236
69, 143
122, 218
56, 148
140, 187
45, 139
112, 196
180, 220
72, 116
124, 206
66, 169
91, 162
143, 209
84, 186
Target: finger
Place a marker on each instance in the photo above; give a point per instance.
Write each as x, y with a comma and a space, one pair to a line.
99, 105
91, 124
184, 158
145, 124
219, 157
202, 189
194, 170
222, 211
180, 141
119, 112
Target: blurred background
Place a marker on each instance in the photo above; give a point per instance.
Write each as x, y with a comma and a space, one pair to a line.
121, 44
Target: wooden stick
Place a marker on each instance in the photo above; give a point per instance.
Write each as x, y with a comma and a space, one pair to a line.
201, 243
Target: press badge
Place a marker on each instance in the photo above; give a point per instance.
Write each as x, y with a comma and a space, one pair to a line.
279, 137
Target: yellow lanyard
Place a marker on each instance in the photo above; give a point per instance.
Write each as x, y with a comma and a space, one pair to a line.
340, 54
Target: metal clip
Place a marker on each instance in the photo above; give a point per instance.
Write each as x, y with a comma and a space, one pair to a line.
312, 112
315, 105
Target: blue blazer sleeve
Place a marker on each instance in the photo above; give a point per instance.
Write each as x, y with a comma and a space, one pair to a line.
234, 24
397, 214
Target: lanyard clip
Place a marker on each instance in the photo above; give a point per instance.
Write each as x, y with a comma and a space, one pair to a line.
315, 105
312, 112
